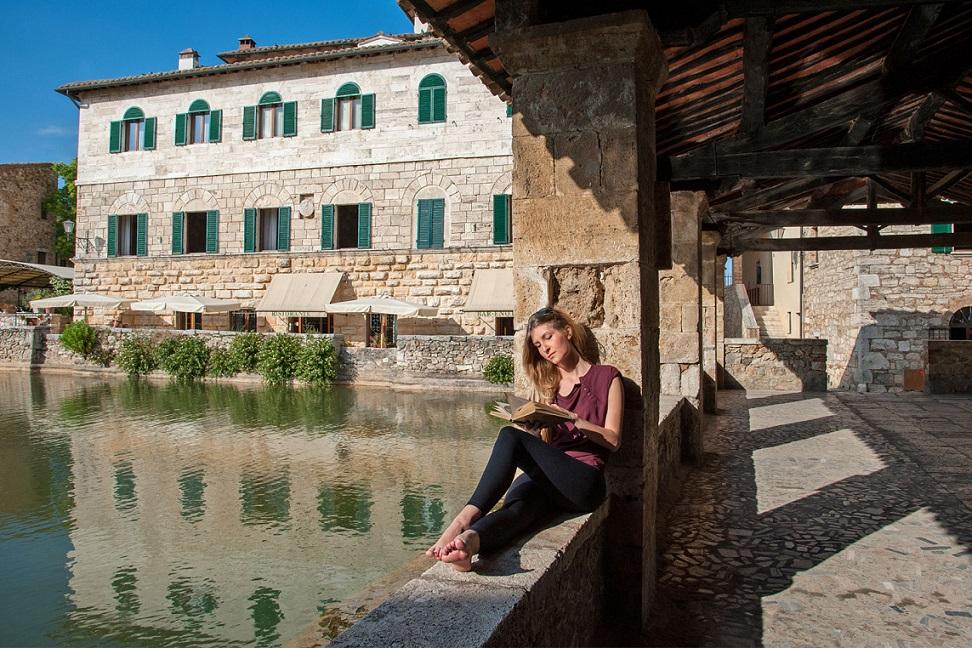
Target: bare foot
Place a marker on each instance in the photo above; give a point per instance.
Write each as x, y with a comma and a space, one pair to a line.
459, 552
466, 517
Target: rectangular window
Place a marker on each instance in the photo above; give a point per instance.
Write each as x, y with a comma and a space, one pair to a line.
271, 118
188, 321
382, 331
41, 257
794, 258
127, 241
347, 227
504, 326
243, 320
310, 325
348, 113
268, 229
962, 228
133, 134
198, 128
195, 232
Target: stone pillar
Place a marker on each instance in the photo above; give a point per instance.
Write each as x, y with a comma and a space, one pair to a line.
721, 261
583, 175
680, 317
711, 277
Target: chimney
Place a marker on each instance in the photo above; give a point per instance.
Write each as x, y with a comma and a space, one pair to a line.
188, 59
247, 42
418, 26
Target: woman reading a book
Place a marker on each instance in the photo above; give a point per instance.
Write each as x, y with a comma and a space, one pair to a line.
562, 463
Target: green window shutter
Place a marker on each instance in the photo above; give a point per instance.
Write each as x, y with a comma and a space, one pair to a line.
289, 118
216, 126
283, 229
141, 234
368, 111
327, 227
327, 115
249, 229
439, 104
148, 142
180, 129
249, 122
112, 235
423, 237
941, 228
364, 225
178, 225
438, 222
425, 105
501, 219
509, 110
115, 137
212, 231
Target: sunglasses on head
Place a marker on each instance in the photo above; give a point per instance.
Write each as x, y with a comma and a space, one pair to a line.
543, 312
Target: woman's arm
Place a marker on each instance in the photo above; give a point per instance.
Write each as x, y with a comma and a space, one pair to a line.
608, 436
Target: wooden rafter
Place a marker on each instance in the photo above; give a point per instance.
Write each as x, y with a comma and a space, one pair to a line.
950, 179
747, 8
849, 217
912, 33
757, 37
872, 242
924, 113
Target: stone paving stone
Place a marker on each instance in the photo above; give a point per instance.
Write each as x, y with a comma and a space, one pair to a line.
834, 519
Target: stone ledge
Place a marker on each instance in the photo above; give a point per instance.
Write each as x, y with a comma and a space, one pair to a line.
520, 595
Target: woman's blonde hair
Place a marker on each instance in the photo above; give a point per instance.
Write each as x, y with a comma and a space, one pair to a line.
542, 373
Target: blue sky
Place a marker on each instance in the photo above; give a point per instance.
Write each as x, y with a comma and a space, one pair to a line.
50, 43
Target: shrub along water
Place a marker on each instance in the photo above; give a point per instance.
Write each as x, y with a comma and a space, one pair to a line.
136, 356
499, 369
277, 358
245, 349
221, 364
79, 337
317, 363
190, 358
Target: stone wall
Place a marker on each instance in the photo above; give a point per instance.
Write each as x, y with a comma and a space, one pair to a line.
25, 230
457, 354
438, 278
776, 363
949, 367
875, 309
16, 346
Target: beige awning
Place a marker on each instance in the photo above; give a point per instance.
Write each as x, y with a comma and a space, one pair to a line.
307, 292
491, 291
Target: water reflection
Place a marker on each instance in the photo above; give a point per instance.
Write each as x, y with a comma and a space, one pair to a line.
184, 515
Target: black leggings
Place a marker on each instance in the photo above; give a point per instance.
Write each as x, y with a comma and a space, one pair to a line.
553, 482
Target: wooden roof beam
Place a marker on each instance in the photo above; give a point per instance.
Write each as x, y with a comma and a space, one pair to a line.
920, 19
748, 8
950, 179
837, 161
456, 9
849, 217
757, 38
871, 242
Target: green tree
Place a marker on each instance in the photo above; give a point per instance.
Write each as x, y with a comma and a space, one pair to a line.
62, 203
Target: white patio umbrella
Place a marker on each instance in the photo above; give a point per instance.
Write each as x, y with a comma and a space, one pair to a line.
384, 305
91, 300
186, 304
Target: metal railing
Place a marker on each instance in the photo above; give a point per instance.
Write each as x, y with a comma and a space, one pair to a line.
760, 294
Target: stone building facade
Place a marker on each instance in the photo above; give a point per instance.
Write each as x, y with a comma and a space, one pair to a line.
26, 232
358, 163
878, 309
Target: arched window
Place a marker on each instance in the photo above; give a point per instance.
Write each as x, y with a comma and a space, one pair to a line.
271, 117
347, 109
432, 99
960, 325
198, 125
133, 132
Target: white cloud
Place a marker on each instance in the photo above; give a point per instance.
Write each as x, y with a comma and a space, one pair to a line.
54, 131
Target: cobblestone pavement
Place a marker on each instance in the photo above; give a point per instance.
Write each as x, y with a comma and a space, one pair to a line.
823, 520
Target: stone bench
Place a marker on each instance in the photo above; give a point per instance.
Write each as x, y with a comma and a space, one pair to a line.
547, 590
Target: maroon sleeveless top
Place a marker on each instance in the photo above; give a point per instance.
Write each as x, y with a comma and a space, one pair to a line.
589, 400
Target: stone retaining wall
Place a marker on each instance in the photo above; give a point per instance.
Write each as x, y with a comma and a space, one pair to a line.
776, 363
949, 367
434, 357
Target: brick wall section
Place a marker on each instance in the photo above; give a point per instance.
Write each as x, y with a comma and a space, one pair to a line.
438, 278
875, 309
777, 363
949, 367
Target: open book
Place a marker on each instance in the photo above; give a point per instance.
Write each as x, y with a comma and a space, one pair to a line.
520, 410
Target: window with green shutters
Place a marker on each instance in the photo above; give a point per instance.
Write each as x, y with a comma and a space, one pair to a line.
271, 117
346, 226
432, 99
266, 229
133, 132
127, 235
198, 125
348, 109
195, 232
430, 229
502, 219
942, 228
